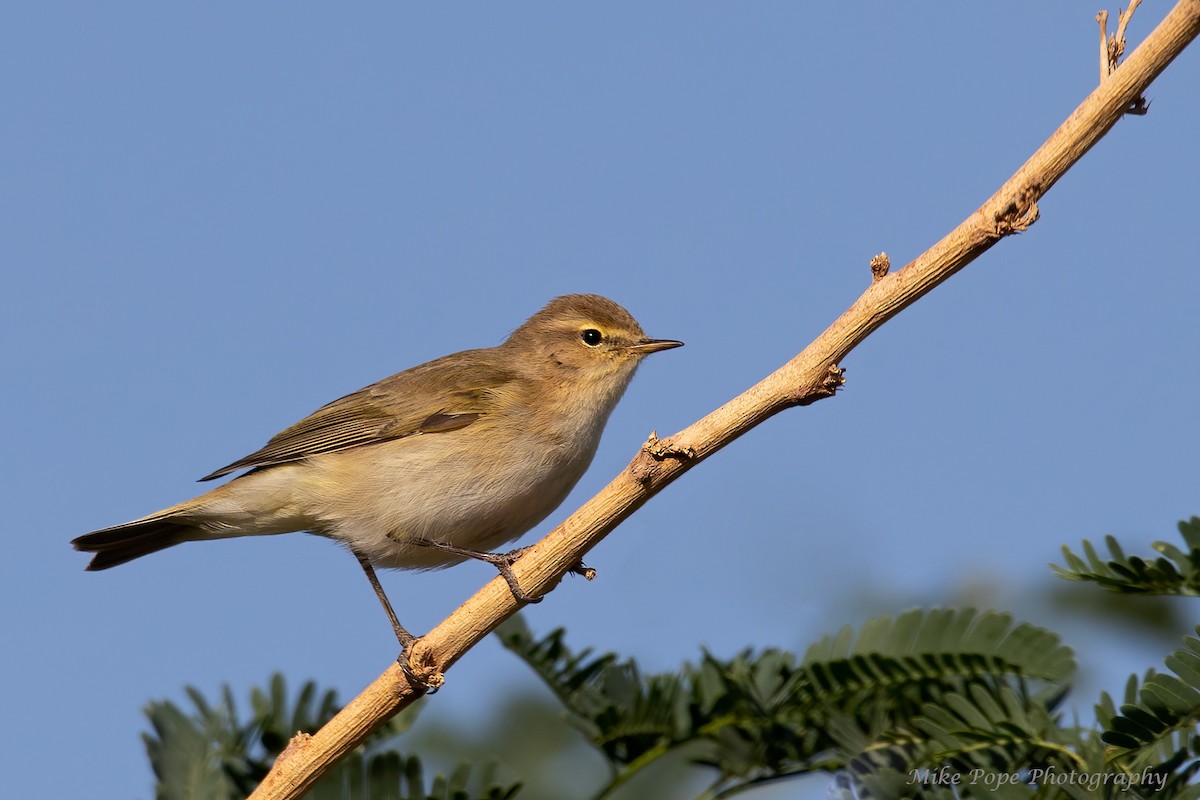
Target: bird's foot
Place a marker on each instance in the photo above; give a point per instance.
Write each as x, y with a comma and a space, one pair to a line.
501, 561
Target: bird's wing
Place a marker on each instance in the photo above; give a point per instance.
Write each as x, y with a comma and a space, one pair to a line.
443, 395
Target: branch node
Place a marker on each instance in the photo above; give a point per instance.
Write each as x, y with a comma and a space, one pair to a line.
297, 743
1020, 213
422, 669
833, 380
880, 265
661, 449
655, 450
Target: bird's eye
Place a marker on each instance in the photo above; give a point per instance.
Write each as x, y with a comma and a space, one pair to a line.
591, 337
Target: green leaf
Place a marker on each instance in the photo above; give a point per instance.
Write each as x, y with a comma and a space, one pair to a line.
1174, 572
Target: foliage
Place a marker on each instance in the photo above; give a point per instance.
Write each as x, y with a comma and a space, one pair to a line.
953, 686
212, 755
1173, 572
934, 704
1155, 727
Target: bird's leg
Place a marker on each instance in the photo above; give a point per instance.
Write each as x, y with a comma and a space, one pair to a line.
402, 634
406, 639
501, 561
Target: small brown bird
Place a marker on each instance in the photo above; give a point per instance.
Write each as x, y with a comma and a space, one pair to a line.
444, 461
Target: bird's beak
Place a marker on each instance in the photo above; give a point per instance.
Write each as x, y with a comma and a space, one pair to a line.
646, 346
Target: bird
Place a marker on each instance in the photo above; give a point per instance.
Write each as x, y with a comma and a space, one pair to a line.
434, 465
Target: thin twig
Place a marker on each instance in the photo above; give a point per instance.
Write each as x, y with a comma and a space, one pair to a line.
809, 376
1113, 47
1123, 22
1106, 64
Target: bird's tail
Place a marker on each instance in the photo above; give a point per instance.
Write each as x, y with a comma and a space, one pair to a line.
255, 504
121, 543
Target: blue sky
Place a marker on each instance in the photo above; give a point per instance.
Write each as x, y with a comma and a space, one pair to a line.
214, 219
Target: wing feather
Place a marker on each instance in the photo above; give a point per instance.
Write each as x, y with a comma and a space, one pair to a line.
447, 394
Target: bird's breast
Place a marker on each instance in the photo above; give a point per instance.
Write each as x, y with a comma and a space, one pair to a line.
478, 488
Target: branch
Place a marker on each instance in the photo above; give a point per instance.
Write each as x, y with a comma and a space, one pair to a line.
811, 375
